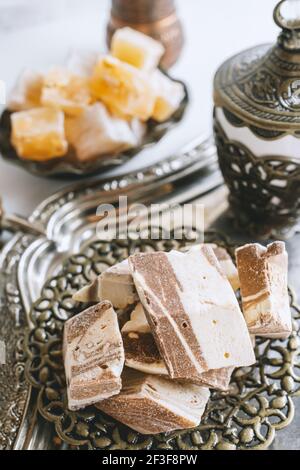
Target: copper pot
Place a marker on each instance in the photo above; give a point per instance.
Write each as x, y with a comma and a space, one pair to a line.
156, 18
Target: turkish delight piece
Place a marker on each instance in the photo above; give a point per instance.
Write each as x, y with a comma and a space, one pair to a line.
137, 49
39, 134
217, 379
169, 95
66, 91
97, 132
123, 88
82, 62
27, 92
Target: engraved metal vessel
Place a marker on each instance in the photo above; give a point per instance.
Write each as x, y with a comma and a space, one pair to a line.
257, 130
156, 18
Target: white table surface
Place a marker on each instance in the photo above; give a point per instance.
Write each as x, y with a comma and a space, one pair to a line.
215, 30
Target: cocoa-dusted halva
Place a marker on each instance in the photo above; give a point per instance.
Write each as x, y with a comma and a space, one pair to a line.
192, 311
115, 285
93, 356
263, 273
141, 353
150, 404
226, 263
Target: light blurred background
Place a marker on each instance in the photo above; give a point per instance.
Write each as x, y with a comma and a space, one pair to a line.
36, 33
20, 14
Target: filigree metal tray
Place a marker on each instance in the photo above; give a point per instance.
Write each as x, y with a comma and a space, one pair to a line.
259, 401
26, 263
264, 402
69, 165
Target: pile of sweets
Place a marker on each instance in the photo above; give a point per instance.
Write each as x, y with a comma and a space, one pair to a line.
185, 333
95, 105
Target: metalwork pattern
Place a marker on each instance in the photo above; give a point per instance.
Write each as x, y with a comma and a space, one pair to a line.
261, 87
289, 39
261, 133
69, 165
14, 308
13, 387
201, 148
264, 190
258, 404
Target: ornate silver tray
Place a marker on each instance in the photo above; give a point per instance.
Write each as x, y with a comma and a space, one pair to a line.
35, 300
27, 262
259, 401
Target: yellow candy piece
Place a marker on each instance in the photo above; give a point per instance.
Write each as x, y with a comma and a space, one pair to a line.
39, 134
66, 91
123, 88
169, 96
27, 92
136, 49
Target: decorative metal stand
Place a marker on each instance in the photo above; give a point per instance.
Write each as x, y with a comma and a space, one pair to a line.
257, 130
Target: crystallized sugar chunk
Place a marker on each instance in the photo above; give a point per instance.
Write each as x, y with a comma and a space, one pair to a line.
97, 132
39, 134
169, 95
27, 92
66, 91
136, 49
123, 88
82, 63
227, 265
